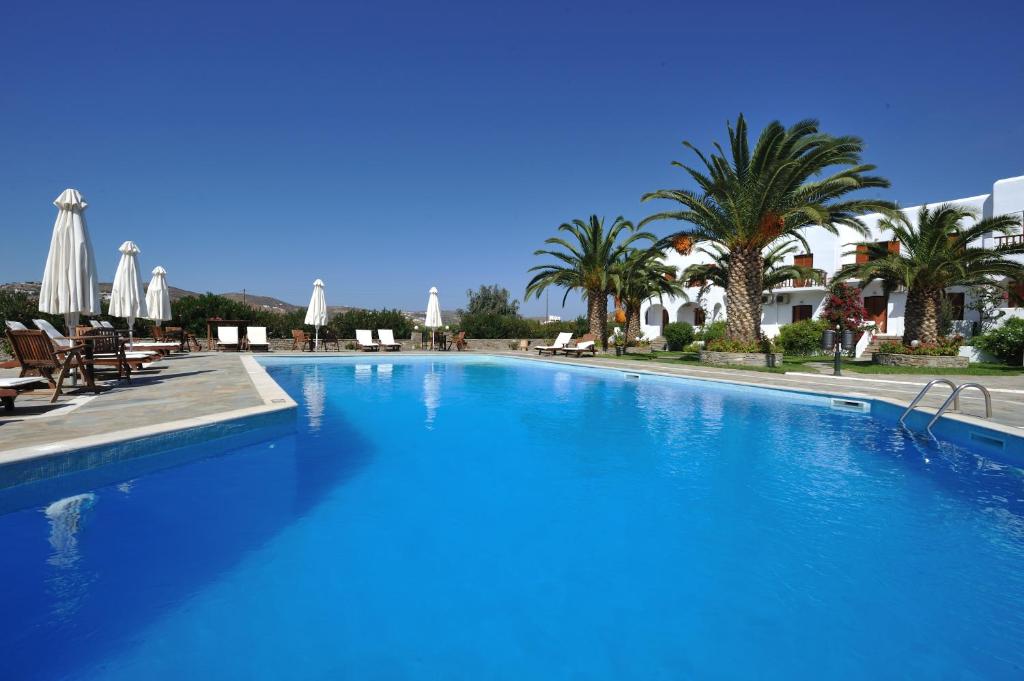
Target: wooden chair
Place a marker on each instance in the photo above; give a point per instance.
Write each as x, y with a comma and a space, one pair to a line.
328, 337
300, 339
458, 342
33, 350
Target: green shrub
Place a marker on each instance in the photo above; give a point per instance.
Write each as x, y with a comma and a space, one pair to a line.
1005, 342
729, 345
346, 323
946, 347
678, 335
802, 338
712, 331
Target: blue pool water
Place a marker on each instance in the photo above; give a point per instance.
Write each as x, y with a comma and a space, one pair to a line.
493, 519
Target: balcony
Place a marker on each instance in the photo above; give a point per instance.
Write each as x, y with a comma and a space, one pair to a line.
805, 283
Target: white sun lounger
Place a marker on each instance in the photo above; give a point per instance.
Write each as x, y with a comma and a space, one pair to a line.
364, 339
387, 339
15, 326
581, 347
227, 337
559, 344
256, 338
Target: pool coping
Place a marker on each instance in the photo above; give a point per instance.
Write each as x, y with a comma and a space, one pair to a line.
274, 398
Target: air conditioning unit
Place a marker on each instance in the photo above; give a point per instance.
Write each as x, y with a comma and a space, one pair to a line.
766, 298
782, 298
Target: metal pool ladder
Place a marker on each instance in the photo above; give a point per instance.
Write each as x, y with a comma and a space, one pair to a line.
954, 398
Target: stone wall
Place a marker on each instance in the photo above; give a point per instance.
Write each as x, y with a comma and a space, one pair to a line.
896, 360
751, 359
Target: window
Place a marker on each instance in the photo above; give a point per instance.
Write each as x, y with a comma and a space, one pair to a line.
698, 316
802, 312
956, 305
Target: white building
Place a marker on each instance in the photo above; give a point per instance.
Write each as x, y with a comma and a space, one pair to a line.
799, 299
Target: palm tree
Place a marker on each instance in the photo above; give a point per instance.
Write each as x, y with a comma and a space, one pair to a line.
932, 257
775, 269
794, 178
587, 263
641, 276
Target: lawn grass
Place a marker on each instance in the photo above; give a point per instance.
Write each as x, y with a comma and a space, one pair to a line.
855, 366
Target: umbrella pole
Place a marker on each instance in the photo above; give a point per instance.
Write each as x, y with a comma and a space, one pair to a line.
316, 338
71, 321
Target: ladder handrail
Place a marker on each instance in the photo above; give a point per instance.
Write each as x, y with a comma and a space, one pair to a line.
955, 395
926, 388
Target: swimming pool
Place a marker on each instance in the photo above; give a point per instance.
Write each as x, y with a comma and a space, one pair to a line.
474, 517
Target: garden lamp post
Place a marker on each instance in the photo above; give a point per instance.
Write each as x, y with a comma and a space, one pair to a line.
837, 340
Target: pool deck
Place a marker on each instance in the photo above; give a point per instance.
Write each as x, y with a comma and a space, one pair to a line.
190, 390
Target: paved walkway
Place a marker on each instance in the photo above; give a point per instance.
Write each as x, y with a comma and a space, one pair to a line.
203, 384
175, 388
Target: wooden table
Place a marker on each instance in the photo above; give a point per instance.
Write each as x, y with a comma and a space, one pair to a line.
211, 339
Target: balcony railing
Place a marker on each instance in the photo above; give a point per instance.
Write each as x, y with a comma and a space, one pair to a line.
805, 283
1009, 240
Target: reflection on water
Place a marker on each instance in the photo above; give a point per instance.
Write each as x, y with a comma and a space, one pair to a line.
125, 487
314, 392
66, 516
364, 373
384, 372
432, 394
562, 385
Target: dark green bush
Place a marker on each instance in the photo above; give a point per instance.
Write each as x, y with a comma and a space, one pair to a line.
802, 338
1005, 342
678, 335
346, 323
728, 345
712, 331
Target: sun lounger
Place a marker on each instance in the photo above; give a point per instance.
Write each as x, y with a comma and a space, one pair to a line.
35, 351
227, 338
458, 341
559, 344
15, 326
10, 388
586, 344
256, 339
387, 339
364, 339
50, 330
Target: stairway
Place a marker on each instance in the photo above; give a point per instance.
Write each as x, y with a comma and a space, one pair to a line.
876, 342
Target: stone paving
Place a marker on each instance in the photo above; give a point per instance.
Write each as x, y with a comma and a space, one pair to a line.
203, 384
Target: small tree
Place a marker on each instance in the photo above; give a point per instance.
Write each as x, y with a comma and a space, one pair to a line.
844, 307
987, 300
492, 299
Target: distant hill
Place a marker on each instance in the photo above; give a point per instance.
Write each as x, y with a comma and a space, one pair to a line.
268, 303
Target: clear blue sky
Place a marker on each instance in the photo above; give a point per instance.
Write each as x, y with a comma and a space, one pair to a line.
389, 147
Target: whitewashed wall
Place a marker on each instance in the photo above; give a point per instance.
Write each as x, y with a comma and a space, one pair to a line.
831, 251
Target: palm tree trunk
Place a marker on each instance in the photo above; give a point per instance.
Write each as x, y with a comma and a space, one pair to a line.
632, 322
597, 315
922, 315
743, 295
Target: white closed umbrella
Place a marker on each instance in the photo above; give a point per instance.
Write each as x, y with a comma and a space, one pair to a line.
127, 299
70, 286
433, 314
158, 298
316, 313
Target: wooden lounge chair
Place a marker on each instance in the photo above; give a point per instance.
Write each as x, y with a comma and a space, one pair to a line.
524, 345
300, 339
256, 339
10, 388
227, 338
587, 343
34, 350
387, 339
458, 341
560, 342
364, 339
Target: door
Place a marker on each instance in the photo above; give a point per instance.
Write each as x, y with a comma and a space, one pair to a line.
876, 307
802, 312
